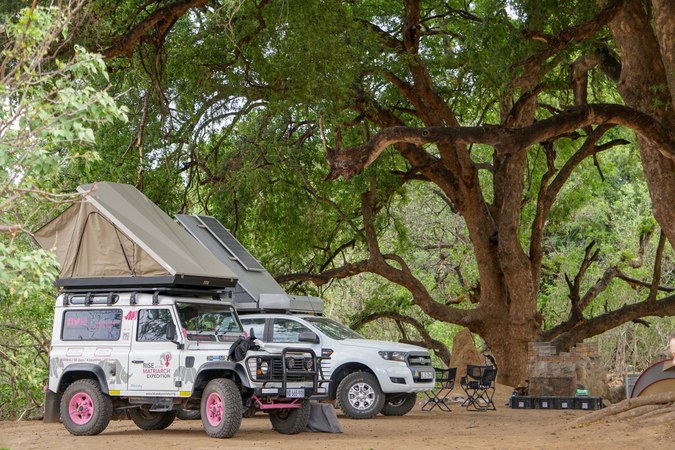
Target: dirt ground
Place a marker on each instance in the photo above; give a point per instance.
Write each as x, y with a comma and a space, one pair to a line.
502, 429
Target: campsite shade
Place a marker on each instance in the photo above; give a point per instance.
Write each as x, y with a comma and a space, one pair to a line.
116, 236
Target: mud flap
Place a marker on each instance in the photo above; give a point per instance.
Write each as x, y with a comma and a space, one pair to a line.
52, 405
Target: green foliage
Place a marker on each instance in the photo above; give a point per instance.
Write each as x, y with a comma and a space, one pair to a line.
50, 107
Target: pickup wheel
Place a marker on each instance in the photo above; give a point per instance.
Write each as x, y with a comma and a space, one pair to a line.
148, 420
85, 410
291, 421
221, 408
399, 404
360, 396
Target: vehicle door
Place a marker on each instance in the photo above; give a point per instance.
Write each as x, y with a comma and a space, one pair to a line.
154, 360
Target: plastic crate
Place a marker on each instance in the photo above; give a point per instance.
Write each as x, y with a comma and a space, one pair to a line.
588, 403
545, 402
565, 403
517, 402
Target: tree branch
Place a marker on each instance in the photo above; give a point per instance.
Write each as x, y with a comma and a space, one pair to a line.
319, 279
533, 64
349, 162
604, 322
162, 19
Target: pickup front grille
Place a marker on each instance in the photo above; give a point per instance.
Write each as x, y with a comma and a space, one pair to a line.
418, 360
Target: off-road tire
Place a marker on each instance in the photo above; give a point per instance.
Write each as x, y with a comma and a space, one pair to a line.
221, 408
360, 396
188, 414
148, 420
85, 410
400, 405
291, 421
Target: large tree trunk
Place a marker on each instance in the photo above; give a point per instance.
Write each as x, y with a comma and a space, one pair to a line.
510, 352
645, 85
508, 340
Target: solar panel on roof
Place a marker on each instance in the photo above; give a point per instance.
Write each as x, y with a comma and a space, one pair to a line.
228, 241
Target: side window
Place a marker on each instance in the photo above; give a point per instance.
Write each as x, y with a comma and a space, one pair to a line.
152, 325
92, 325
286, 330
258, 326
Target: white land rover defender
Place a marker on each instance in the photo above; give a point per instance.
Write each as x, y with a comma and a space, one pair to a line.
151, 354
139, 327
367, 377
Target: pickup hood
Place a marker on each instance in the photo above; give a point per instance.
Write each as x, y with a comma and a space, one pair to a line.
384, 345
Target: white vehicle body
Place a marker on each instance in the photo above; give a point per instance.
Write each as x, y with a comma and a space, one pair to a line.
152, 354
400, 370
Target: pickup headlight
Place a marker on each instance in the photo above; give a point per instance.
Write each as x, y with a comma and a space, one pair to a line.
393, 356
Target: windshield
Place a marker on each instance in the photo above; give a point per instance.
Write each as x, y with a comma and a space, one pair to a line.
208, 322
333, 329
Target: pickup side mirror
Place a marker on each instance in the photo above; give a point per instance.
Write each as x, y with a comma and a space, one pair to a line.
308, 336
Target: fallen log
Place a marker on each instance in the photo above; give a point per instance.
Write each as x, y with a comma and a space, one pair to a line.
635, 412
663, 415
661, 398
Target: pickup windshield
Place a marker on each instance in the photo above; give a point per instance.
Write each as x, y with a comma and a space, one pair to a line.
201, 322
333, 329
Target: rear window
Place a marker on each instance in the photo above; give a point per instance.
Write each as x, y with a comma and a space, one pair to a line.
92, 325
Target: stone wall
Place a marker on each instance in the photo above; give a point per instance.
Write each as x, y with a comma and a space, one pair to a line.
559, 374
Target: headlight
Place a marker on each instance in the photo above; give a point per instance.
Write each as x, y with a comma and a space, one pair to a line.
290, 362
308, 363
393, 356
263, 367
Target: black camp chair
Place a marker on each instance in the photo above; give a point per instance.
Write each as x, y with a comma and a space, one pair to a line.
479, 386
445, 381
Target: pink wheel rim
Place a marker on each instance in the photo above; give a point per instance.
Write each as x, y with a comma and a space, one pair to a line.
214, 409
80, 408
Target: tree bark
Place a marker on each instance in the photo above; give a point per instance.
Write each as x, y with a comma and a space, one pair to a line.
646, 84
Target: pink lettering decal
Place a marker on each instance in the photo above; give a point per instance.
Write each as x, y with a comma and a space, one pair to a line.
76, 322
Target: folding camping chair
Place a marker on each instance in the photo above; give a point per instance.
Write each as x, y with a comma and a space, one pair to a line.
445, 381
479, 386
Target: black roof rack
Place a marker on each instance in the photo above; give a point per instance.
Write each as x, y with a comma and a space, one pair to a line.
215, 294
168, 281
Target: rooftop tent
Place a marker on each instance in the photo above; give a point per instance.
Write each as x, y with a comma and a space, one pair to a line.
117, 237
256, 290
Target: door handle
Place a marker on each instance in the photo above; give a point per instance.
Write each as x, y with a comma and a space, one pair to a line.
137, 361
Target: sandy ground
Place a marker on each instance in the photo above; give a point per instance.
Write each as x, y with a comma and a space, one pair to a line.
502, 429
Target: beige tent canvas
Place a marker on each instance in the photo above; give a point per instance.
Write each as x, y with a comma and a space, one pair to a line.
115, 236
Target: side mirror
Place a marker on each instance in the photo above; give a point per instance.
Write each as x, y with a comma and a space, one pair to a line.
308, 336
171, 334
251, 334
171, 331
